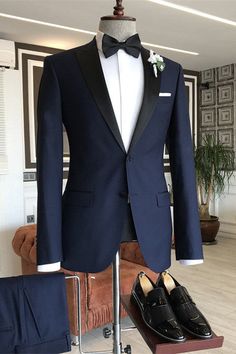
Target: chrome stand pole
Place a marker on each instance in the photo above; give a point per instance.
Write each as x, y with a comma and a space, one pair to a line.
79, 338
117, 346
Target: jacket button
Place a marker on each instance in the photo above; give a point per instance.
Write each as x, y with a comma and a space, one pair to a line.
123, 195
130, 158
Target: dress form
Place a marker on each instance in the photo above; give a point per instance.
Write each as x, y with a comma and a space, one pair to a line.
118, 26
121, 27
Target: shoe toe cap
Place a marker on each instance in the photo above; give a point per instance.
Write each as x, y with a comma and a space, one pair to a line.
174, 333
178, 334
200, 329
204, 330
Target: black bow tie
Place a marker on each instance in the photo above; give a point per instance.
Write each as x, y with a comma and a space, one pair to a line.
110, 45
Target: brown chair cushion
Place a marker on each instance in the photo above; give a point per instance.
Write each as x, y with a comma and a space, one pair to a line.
24, 243
99, 291
99, 286
96, 288
132, 253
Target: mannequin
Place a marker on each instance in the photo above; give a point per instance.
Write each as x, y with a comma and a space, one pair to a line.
121, 27
118, 26
130, 99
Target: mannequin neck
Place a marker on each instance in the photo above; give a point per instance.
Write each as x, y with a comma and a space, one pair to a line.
119, 29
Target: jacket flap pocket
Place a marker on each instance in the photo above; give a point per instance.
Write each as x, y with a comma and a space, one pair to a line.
163, 198
80, 198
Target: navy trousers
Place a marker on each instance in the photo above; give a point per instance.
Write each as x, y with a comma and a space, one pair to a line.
34, 314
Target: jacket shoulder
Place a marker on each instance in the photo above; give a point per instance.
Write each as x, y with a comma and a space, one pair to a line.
65, 54
172, 64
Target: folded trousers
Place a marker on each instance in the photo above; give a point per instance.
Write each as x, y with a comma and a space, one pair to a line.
34, 314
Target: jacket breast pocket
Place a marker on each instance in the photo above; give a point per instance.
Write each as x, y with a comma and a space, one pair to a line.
163, 199
78, 198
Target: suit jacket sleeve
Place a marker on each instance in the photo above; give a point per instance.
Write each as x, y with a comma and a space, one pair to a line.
188, 242
49, 152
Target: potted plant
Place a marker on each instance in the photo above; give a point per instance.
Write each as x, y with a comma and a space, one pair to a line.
214, 165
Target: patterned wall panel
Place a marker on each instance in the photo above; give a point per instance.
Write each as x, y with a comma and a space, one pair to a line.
208, 75
217, 112
203, 134
226, 136
225, 115
225, 94
208, 97
208, 117
225, 72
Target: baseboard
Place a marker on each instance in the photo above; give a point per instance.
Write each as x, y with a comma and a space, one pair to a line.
227, 229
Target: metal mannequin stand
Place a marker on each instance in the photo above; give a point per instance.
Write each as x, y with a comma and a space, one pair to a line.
116, 332
156, 345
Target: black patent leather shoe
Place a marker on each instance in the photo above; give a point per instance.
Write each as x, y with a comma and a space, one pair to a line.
186, 311
155, 309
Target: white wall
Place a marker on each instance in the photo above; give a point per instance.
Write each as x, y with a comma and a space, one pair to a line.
11, 183
225, 208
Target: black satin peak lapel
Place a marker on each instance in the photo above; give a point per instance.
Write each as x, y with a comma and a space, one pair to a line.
89, 61
151, 93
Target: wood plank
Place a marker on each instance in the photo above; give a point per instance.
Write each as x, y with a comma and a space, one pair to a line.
158, 345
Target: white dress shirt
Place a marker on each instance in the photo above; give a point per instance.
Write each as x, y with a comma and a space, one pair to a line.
124, 76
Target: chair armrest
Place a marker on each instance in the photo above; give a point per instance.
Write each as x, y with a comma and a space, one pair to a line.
130, 251
24, 243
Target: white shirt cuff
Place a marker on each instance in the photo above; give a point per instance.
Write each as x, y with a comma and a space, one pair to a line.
51, 267
190, 261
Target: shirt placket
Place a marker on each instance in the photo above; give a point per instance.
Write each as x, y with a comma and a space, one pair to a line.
121, 113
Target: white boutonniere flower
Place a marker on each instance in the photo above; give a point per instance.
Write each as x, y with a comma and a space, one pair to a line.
157, 62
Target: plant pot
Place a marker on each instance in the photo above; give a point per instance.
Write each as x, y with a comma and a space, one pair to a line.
209, 229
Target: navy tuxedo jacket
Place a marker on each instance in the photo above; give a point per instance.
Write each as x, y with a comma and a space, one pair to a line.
82, 228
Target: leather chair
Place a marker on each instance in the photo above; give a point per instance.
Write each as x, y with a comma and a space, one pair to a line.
96, 288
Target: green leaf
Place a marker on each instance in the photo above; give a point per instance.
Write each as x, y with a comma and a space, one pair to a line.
161, 65
214, 164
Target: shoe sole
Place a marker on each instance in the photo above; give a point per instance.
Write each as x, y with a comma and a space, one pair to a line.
136, 301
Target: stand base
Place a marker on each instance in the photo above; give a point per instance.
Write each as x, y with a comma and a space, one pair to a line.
159, 346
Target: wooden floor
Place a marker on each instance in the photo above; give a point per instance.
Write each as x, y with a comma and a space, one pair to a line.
213, 288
